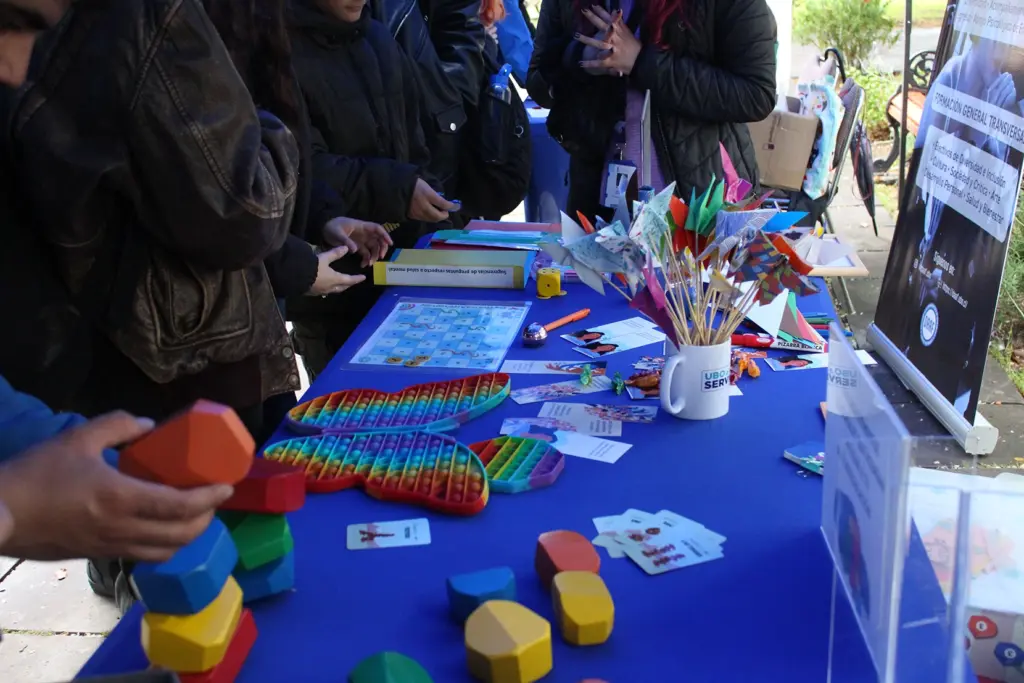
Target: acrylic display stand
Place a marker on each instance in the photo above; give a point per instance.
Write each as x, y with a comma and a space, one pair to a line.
888, 601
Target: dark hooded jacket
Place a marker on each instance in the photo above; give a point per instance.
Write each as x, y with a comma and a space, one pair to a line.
716, 74
364, 110
368, 149
444, 38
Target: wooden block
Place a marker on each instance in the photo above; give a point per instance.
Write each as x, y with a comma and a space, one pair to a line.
190, 580
389, 667
583, 607
270, 487
507, 643
260, 539
466, 592
561, 551
206, 444
270, 579
193, 643
238, 651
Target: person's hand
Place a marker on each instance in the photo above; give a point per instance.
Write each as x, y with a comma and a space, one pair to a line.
67, 502
619, 46
427, 205
492, 31
328, 280
369, 240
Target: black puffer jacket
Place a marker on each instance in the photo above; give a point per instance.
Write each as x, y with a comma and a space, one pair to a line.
363, 102
445, 39
717, 75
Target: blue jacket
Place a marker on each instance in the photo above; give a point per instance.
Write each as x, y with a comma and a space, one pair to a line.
26, 421
515, 41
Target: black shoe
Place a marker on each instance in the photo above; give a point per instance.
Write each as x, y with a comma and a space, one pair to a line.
124, 594
102, 575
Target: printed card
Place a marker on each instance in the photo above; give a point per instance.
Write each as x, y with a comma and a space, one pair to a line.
552, 392
388, 534
538, 427
667, 554
580, 412
552, 367
589, 447
809, 361
635, 325
626, 342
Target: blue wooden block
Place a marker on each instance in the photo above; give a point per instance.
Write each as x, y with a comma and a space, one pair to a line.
466, 592
190, 580
268, 579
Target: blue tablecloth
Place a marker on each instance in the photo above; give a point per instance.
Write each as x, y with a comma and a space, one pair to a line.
760, 614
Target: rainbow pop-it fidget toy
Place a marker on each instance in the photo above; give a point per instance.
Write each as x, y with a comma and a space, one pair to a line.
514, 464
433, 407
424, 468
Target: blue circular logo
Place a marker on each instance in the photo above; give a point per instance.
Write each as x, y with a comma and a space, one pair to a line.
929, 324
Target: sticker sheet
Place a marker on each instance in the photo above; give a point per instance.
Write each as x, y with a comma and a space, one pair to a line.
454, 334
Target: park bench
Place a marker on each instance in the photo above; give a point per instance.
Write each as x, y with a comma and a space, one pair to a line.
918, 78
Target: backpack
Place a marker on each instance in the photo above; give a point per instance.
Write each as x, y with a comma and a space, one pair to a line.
496, 155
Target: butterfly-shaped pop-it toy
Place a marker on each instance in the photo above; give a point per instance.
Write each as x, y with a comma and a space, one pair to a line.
390, 445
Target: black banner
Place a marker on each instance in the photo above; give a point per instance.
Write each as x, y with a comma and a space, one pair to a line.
941, 283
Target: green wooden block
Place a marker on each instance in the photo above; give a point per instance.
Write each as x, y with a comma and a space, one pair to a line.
260, 539
389, 667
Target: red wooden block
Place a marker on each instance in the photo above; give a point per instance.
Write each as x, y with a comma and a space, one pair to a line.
206, 444
559, 551
238, 651
271, 488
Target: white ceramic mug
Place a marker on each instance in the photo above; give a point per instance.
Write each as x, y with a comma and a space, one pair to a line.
695, 381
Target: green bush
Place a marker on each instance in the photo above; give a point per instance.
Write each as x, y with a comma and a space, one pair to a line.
854, 27
878, 86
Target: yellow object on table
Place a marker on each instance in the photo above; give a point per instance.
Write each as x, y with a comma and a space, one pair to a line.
583, 607
193, 643
507, 643
549, 283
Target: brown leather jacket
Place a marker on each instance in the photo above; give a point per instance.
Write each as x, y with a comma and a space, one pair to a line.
159, 186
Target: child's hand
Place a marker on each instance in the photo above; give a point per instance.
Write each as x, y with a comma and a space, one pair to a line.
328, 280
370, 240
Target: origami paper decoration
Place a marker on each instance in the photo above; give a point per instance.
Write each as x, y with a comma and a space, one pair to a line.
562, 254
736, 188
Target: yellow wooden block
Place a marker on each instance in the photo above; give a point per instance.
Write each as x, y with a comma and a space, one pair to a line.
507, 643
193, 643
583, 607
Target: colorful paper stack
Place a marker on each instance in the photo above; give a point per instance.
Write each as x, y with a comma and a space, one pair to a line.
194, 623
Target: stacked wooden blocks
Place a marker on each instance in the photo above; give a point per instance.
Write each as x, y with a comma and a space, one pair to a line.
195, 624
255, 514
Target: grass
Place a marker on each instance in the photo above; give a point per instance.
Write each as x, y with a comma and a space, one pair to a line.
925, 13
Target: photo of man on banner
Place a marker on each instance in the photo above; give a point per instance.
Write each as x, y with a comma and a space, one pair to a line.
942, 280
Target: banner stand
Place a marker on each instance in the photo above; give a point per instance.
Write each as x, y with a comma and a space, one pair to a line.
976, 439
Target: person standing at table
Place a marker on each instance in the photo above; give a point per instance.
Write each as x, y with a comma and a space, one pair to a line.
150, 189
708, 64
256, 37
368, 151
445, 40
